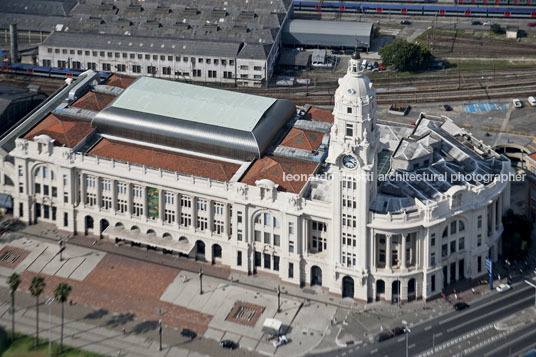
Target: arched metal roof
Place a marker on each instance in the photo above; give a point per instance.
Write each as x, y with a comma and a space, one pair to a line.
200, 119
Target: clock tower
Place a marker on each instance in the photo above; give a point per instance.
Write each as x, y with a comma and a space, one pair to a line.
353, 149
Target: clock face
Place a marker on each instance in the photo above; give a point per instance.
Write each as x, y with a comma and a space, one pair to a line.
349, 162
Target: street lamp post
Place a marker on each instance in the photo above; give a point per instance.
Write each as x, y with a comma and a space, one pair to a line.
160, 333
278, 298
406, 332
49, 303
200, 281
534, 286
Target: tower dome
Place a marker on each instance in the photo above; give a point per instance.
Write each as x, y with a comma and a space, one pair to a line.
355, 86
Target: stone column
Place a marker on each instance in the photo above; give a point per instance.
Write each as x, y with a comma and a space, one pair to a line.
210, 207
178, 210
99, 191
403, 254
388, 252
83, 189
161, 205
194, 213
129, 199
144, 198
373, 249
493, 215
226, 220
114, 195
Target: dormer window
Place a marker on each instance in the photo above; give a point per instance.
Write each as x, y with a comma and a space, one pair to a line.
349, 129
349, 110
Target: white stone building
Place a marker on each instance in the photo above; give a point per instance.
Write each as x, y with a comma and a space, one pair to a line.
112, 159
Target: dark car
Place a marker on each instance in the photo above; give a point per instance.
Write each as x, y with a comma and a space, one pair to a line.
460, 306
397, 331
447, 107
228, 344
476, 23
384, 336
531, 24
405, 22
188, 333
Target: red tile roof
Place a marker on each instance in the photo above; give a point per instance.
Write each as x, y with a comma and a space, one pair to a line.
166, 160
94, 101
119, 81
303, 139
319, 114
274, 168
64, 130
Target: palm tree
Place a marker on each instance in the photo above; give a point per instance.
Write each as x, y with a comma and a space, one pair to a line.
13, 282
36, 288
61, 294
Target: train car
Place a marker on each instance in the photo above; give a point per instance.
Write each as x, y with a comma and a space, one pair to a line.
392, 9
50, 72
517, 12
440, 10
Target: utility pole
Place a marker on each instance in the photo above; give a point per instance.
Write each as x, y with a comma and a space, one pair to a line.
200, 281
160, 333
278, 298
406, 332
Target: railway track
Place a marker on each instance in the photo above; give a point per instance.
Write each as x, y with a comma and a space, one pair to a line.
47, 86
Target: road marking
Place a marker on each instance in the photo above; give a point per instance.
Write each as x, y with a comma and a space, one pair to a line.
411, 346
401, 339
373, 351
493, 301
439, 334
489, 313
509, 343
427, 328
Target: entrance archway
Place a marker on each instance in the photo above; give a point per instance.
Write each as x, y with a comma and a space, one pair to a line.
103, 225
380, 289
316, 276
411, 289
88, 224
199, 250
216, 253
347, 287
395, 288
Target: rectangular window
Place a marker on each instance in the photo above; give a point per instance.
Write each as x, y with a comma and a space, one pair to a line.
479, 264
461, 244
169, 216
432, 240
166, 71
290, 270
452, 247
186, 201
239, 217
122, 206
267, 261
54, 191
239, 235
45, 190
151, 70
136, 68
277, 240
291, 247
65, 197
444, 250
349, 130
291, 228
65, 219
91, 199
21, 187
453, 227
433, 283
479, 224
106, 202
266, 238
106, 67
257, 236
201, 205
276, 263
257, 259
202, 223
137, 209
239, 258
432, 259
186, 219
137, 191
169, 198
244, 68
21, 209
121, 67
62, 64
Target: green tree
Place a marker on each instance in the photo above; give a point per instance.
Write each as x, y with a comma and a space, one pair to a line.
13, 282
405, 56
37, 287
516, 237
496, 28
61, 294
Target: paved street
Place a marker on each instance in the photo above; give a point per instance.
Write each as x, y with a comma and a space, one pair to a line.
112, 291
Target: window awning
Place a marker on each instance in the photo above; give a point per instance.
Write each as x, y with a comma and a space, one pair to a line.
183, 245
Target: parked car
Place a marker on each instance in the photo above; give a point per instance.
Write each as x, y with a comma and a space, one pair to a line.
488, 23
503, 287
531, 24
280, 340
397, 331
369, 66
229, 344
384, 336
5, 227
517, 103
447, 107
532, 101
460, 306
476, 23
405, 22
188, 333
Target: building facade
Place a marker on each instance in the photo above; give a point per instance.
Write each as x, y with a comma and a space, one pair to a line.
322, 214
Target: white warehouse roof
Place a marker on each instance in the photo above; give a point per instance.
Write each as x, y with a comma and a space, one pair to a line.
327, 33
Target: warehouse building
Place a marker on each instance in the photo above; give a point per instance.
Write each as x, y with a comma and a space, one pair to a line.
327, 34
237, 42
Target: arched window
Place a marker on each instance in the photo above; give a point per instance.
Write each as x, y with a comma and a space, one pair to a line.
446, 232
37, 172
461, 226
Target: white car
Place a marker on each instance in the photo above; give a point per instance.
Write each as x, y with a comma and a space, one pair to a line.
532, 101
280, 340
503, 287
517, 103
488, 23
